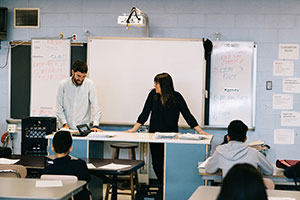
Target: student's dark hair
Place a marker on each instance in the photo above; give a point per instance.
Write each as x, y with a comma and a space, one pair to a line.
243, 182
80, 66
167, 89
62, 141
237, 130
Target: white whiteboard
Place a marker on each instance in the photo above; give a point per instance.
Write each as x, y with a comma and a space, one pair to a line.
124, 68
50, 63
232, 84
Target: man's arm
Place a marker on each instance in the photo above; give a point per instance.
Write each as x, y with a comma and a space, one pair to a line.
60, 107
264, 165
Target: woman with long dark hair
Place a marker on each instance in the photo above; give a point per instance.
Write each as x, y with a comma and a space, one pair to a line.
243, 182
165, 104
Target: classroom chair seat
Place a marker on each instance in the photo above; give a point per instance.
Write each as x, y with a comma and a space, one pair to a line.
17, 171
133, 177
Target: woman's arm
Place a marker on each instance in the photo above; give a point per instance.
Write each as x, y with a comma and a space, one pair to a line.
134, 128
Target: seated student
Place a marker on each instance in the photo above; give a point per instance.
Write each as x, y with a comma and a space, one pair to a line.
243, 182
236, 151
63, 165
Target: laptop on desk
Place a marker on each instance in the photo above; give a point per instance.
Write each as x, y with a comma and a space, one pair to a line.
83, 129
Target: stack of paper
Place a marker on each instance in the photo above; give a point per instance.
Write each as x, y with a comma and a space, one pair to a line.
165, 135
189, 136
114, 166
5, 161
99, 134
256, 143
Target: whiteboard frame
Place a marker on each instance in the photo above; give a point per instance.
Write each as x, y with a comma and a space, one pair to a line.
251, 126
201, 121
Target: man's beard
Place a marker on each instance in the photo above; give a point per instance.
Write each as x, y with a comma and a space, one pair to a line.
76, 81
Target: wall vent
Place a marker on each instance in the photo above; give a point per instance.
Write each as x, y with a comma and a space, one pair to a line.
26, 18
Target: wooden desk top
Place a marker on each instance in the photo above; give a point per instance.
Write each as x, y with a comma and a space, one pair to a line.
21, 188
211, 193
137, 137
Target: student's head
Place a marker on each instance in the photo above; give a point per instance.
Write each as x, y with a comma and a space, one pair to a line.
243, 182
79, 72
62, 142
237, 131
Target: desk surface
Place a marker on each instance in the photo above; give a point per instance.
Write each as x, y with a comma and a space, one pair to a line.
278, 176
20, 188
137, 137
211, 193
39, 162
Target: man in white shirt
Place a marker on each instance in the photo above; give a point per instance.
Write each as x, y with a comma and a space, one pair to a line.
75, 97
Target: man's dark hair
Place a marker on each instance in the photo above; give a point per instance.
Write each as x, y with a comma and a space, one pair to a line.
243, 182
62, 141
80, 66
237, 130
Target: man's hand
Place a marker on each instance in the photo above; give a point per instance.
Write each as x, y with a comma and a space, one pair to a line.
94, 129
66, 126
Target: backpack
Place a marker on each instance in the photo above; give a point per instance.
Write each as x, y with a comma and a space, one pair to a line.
5, 151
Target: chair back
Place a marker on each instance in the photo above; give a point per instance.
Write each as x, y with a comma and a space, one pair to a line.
64, 178
17, 171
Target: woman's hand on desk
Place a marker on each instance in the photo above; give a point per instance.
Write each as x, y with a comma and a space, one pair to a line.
134, 128
130, 131
200, 131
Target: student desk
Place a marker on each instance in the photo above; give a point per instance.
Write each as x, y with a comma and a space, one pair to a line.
21, 188
181, 158
211, 193
278, 177
39, 162
104, 173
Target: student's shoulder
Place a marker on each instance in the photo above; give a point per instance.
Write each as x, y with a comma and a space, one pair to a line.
78, 162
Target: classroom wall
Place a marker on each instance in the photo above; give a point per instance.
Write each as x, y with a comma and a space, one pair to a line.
267, 22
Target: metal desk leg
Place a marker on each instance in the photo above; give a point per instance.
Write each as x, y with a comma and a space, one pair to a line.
114, 188
207, 150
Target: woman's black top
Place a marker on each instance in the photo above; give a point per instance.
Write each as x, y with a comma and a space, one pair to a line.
165, 118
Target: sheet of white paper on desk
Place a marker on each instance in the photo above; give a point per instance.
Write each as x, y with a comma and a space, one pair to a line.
99, 134
90, 166
5, 161
281, 198
165, 135
201, 165
114, 166
189, 136
48, 183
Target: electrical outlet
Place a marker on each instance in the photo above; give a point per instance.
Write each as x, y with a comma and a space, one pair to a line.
12, 128
74, 37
